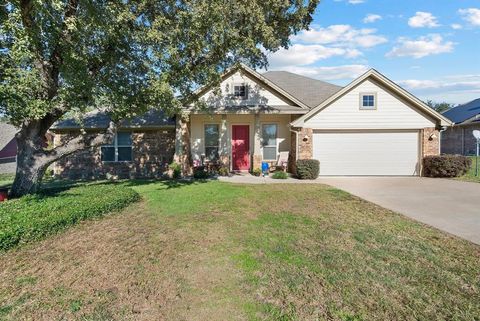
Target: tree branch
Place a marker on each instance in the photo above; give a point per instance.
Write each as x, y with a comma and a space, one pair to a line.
81, 142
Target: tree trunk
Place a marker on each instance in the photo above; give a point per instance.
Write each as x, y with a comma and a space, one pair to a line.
31, 167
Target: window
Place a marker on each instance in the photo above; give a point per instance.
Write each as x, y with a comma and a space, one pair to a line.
120, 150
269, 141
367, 101
212, 138
240, 91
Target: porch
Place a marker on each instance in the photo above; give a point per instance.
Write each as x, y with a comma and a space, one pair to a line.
241, 142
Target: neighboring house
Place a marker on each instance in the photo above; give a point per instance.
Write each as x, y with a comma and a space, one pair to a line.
459, 138
8, 148
370, 127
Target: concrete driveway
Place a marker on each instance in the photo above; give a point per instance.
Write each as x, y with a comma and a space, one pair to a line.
448, 205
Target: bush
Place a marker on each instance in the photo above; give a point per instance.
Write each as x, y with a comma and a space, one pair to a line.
200, 172
446, 165
279, 175
257, 172
223, 171
308, 168
33, 217
176, 169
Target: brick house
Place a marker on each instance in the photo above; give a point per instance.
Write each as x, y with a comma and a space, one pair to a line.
459, 138
370, 127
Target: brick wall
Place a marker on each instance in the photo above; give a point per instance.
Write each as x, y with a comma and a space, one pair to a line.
151, 149
430, 141
305, 146
459, 140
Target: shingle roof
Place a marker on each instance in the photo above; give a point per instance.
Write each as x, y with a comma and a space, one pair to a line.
311, 92
7, 133
100, 120
464, 112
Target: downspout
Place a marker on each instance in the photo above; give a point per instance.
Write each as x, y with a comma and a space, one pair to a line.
442, 129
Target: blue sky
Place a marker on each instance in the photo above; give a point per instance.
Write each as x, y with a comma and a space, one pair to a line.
430, 47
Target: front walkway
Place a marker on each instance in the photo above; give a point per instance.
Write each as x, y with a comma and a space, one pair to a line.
449, 205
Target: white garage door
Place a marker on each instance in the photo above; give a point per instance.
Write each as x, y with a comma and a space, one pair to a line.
367, 153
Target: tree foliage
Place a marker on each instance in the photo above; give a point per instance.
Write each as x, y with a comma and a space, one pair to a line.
125, 56
440, 107
68, 56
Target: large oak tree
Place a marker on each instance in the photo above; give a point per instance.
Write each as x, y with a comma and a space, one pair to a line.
63, 57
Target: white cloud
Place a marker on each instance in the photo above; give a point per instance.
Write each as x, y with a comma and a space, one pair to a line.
301, 55
342, 35
423, 20
456, 26
454, 89
371, 18
343, 72
471, 15
422, 47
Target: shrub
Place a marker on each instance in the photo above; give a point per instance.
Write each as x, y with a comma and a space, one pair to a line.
257, 172
200, 172
223, 171
446, 165
176, 169
308, 168
33, 217
280, 175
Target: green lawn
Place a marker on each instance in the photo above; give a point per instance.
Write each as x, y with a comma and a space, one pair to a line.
470, 176
218, 251
6, 179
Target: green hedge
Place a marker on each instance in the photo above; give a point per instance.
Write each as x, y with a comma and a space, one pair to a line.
33, 217
308, 168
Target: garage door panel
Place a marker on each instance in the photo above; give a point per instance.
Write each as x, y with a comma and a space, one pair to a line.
367, 153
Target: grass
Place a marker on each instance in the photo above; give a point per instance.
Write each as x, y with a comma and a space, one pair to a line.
470, 176
34, 217
218, 251
6, 179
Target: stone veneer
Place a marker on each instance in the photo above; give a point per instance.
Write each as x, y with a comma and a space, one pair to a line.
152, 151
305, 146
430, 144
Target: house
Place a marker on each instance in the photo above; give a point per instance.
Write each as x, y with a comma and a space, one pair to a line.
8, 148
370, 127
459, 138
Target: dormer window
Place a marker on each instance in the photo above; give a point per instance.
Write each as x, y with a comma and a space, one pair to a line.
368, 101
240, 91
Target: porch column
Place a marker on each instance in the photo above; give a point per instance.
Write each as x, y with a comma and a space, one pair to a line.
182, 144
257, 137
224, 142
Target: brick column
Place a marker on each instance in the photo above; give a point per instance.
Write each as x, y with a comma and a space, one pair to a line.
257, 136
183, 155
430, 141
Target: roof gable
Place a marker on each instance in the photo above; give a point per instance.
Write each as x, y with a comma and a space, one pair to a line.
261, 91
7, 134
388, 85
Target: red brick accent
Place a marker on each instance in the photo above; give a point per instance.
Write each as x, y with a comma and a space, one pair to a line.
430, 141
152, 151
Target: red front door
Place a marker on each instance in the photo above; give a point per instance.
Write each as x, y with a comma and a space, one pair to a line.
240, 147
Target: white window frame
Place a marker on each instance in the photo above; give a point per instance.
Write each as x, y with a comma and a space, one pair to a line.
245, 96
205, 140
276, 141
115, 145
374, 107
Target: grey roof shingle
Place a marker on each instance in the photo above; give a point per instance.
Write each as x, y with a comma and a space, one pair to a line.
100, 120
311, 92
463, 112
7, 133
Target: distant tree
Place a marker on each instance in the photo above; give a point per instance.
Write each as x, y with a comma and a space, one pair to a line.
60, 57
440, 107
